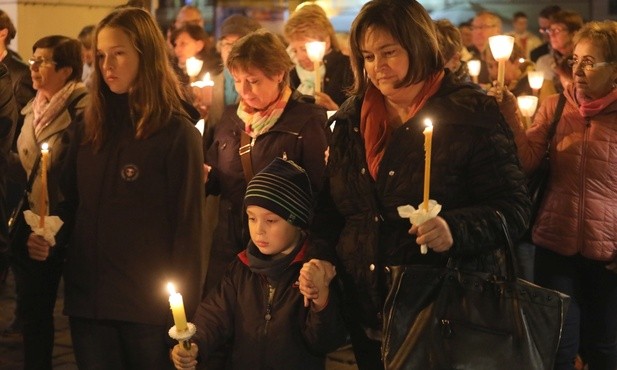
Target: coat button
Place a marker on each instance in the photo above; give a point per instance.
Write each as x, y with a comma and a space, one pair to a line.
327, 79
371, 267
363, 171
391, 173
356, 129
376, 219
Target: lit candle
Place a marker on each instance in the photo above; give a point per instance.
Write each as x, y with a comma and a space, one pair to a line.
536, 80
428, 142
527, 104
501, 47
205, 87
177, 308
315, 51
193, 67
43, 204
474, 69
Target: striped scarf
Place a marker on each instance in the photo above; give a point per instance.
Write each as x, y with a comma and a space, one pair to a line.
256, 122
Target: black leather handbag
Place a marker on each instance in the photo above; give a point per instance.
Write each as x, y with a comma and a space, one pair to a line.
447, 318
537, 181
16, 220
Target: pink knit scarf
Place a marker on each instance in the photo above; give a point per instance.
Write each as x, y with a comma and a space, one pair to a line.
589, 108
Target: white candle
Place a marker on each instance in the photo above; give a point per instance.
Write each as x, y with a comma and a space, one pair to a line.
193, 66
474, 69
43, 204
536, 80
177, 308
501, 48
315, 50
527, 104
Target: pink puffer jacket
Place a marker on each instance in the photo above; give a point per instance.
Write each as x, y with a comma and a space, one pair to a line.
579, 210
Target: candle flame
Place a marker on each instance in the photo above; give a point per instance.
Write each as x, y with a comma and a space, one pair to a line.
171, 289
428, 122
45, 146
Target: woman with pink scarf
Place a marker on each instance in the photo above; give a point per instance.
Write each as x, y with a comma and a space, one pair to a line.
575, 227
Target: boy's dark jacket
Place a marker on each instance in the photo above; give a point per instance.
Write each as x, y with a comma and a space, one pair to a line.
294, 337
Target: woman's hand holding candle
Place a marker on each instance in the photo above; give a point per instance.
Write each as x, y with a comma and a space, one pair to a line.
203, 90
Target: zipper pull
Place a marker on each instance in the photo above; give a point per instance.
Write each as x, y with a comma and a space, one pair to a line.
446, 329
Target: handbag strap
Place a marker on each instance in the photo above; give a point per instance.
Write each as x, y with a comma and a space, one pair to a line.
509, 253
511, 270
558, 110
246, 144
33, 173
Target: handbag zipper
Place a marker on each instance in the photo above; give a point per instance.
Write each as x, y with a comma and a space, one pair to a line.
447, 328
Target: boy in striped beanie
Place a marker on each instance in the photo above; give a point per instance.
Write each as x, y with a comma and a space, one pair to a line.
259, 301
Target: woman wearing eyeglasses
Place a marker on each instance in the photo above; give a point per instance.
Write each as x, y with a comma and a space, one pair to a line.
575, 228
563, 26
55, 68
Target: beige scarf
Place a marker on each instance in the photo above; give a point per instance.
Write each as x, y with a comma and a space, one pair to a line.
45, 111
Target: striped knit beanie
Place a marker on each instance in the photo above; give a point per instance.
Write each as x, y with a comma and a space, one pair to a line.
283, 188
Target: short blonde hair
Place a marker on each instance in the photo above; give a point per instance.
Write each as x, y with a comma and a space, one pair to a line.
310, 21
603, 34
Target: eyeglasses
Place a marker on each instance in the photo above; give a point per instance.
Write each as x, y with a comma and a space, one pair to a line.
554, 31
483, 27
37, 62
586, 64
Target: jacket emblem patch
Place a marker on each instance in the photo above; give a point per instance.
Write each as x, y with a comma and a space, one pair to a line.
130, 172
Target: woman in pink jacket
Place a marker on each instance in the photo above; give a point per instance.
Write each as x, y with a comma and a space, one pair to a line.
575, 228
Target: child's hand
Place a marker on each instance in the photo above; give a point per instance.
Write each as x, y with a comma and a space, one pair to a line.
184, 359
315, 278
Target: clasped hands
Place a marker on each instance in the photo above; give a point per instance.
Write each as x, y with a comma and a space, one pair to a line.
314, 281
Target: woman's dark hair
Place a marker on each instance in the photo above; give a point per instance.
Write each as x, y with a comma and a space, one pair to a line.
6, 23
196, 32
572, 20
410, 25
66, 52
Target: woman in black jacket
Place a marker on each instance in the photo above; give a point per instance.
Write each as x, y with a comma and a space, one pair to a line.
271, 120
376, 164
